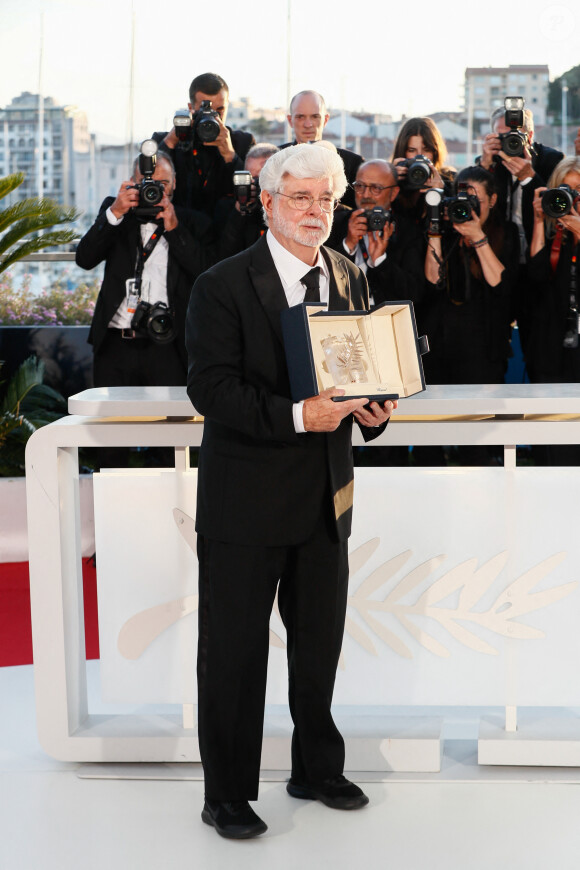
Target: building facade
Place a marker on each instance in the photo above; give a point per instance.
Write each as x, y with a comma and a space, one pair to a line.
486, 87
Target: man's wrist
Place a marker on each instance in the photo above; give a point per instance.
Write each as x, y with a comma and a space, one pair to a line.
113, 218
297, 415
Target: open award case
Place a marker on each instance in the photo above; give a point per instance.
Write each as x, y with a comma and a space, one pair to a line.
375, 354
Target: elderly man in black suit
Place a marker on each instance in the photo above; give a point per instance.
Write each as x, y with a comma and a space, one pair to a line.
274, 496
308, 118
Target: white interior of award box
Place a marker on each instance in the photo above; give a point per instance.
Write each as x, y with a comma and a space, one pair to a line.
388, 348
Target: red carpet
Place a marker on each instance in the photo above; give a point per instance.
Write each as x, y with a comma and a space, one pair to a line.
15, 628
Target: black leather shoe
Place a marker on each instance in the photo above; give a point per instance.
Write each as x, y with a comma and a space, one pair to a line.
233, 819
337, 792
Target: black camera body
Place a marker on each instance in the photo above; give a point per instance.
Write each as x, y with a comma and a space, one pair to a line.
461, 207
514, 142
150, 191
419, 171
376, 219
246, 191
191, 127
559, 201
155, 320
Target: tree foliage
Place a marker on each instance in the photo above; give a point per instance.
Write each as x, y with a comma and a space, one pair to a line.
572, 79
23, 224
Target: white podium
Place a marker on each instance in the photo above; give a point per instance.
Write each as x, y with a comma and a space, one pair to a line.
434, 638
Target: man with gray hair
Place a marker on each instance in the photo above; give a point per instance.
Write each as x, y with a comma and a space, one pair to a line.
274, 498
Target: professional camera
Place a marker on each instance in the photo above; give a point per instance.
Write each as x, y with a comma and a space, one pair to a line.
419, 170
154, 320
513, 143
463, 206
150, 191
205, 126
246, 191
200, 126
376, 219
559, 201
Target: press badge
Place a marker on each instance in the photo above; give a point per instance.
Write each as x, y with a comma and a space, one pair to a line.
132, 295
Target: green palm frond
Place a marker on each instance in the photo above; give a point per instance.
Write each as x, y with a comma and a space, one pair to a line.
10, 183
27, 376
32, 246
35, 209
52, 217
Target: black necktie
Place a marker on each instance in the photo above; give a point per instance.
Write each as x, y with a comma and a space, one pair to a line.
312, 283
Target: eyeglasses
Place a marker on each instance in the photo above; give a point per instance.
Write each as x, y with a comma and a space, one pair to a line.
375, 189
301, 202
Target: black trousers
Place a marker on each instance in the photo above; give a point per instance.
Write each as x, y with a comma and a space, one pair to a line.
237, 588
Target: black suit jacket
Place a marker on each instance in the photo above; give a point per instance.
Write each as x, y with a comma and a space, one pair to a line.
261, 483
351, 161
190, 252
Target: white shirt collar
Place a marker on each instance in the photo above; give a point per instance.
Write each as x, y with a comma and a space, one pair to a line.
290, 268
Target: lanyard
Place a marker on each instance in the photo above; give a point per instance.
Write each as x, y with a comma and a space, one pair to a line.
143, 253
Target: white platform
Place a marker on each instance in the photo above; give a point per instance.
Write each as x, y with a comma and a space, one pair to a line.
540, 739
465, 816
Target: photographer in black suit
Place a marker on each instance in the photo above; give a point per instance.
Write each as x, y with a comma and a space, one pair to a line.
387, 256
308, 118
204, 169
516, 180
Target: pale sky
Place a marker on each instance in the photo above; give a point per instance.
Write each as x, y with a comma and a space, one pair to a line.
392, 58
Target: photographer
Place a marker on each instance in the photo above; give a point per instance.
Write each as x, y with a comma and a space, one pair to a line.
308, 118
517, 177
469, 268
516, 180
245, 223
205, 167
164, 252
419, 146
471, 259
553, 279
393, 270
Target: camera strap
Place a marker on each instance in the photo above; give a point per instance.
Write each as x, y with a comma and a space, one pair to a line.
143, 253
363, 249
556, 245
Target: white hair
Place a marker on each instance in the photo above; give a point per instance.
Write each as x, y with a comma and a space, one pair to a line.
314, 160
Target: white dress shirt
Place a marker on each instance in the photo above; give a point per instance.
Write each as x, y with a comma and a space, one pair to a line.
154, 279
291, 271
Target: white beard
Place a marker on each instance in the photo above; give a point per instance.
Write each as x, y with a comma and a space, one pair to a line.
312, 238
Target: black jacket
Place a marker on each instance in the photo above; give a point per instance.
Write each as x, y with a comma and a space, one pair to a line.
261, 483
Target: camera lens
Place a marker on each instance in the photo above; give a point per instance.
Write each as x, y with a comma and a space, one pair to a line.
460, 212
152, 193
208, 130
556, 203
513, 145
160, 324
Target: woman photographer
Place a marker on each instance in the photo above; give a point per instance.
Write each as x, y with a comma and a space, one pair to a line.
420, 138
470, 267
554, 354
469, 270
